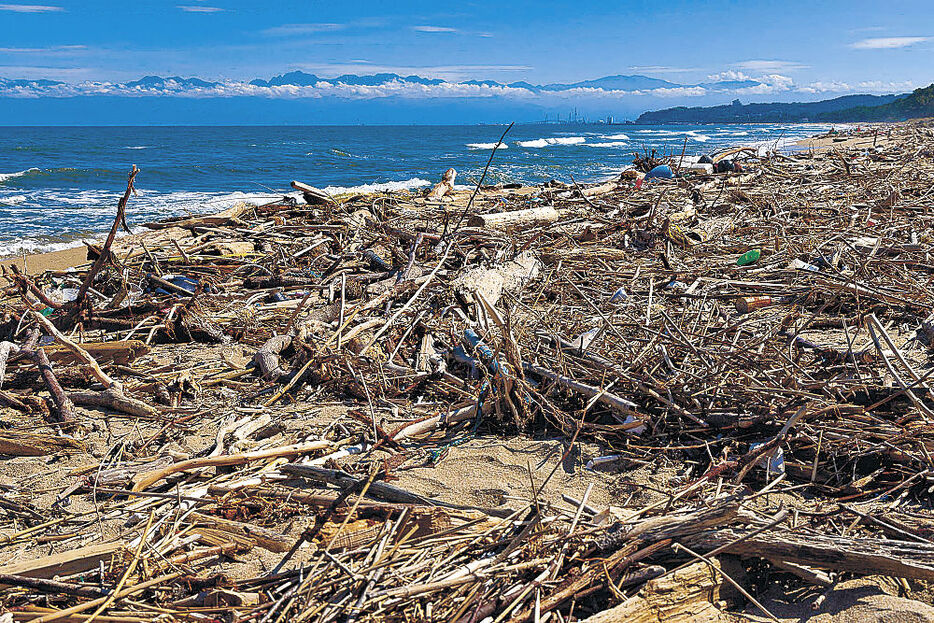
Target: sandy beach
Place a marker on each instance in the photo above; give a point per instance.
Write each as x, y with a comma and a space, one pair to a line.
560, 381
38, 263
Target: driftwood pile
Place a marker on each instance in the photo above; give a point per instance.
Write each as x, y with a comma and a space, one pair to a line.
765, 334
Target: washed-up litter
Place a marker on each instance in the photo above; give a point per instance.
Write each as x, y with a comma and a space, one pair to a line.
219, 420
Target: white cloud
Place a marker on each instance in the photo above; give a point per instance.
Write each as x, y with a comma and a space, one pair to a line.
875, 86
433, 29
287, 30
30, 8
55, 49
200, 9
453, 73
887, 43
729, 74
392, 88
448, 88
769, 65
777, 80
662, 69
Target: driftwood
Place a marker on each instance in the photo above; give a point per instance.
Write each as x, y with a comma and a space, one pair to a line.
105, 255
900, 559
114, 399
145, 480
416, 342
118, 352
65, 563
210, 220
685, 596
65, 409
267, 357
263, 537
444, 187
312, 195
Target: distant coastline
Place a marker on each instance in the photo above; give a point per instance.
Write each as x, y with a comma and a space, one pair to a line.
846, 109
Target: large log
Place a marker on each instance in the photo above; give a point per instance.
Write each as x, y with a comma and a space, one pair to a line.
114, 399
531, 216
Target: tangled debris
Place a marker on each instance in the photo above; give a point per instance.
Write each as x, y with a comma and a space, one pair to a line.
215, 421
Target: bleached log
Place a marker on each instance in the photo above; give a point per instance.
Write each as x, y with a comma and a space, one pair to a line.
599, 190
531, 216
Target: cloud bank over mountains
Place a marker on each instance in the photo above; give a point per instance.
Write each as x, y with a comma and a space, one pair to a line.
301, 85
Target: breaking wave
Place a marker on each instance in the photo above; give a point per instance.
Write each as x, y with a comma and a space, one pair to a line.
487, 145
9, 176
382, 187
548, 142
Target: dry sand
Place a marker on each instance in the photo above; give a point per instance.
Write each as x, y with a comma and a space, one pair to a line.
867, 138
63, 259
37, 263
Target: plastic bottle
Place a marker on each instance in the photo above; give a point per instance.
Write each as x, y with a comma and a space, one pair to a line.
619, 296
797, 264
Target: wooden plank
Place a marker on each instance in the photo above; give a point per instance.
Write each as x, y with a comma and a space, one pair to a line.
65, 563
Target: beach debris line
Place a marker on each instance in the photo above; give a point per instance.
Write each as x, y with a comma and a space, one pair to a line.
603, 402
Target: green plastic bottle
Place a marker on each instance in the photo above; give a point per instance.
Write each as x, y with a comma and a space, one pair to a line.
749, 257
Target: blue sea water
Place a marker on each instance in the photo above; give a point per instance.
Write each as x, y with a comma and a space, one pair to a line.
59, 185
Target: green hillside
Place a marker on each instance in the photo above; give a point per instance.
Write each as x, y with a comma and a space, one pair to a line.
920, 103
773, 112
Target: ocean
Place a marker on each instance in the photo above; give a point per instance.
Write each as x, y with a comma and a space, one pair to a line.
60, 185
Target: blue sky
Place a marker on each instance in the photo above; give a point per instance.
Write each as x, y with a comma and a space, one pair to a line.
536, 41
795, 49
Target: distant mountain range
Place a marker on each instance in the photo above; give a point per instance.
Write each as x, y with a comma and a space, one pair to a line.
298, 97
634, 83
607, 83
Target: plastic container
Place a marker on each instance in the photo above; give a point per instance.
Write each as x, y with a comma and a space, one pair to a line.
747, 304
662, 171
749, 257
